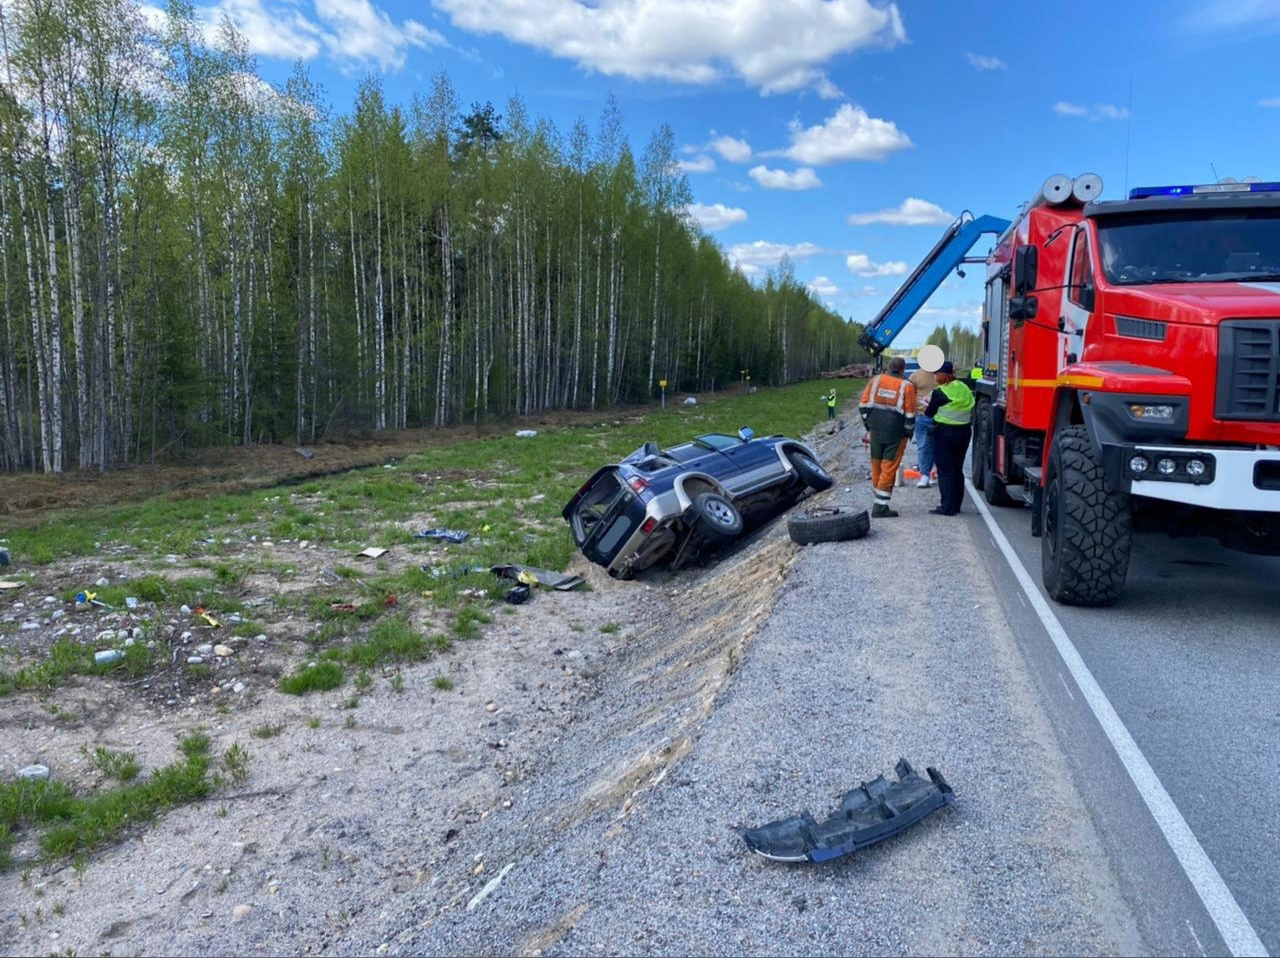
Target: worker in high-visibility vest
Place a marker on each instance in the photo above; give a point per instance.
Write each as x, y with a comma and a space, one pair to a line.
979, 372
831, 404
951, 407
888, 408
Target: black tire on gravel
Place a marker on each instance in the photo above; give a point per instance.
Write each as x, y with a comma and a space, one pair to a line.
828, 525
809, 471
1087, 527
984, 451
716, 517
978, 458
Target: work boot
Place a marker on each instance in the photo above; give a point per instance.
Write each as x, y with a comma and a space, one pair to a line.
881, 511
924, 483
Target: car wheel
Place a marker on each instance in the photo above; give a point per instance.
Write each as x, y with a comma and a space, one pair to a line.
828, 525
716, 517
810, 473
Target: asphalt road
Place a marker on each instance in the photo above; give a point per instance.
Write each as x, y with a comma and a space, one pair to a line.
1190, 661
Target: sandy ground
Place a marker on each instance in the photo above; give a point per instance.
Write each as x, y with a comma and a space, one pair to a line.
602, 776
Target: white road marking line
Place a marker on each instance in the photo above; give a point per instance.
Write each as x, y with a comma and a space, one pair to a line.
1066, 686
1232, 925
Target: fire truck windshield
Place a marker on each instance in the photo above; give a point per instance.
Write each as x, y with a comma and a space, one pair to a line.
1193, 247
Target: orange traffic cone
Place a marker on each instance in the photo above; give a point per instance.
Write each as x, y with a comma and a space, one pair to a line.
911, 473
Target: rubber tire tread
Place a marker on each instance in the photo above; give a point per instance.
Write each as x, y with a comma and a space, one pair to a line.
818, 482
711, 530
1095, 527
993, 487
832, 527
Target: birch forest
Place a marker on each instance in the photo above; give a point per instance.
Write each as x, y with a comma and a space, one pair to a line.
191, 257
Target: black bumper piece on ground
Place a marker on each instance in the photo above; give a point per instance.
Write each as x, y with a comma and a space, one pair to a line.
872, 812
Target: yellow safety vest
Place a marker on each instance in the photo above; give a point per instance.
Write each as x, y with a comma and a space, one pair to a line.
959, 410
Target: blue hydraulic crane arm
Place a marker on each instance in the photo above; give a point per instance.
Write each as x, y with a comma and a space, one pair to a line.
949, 253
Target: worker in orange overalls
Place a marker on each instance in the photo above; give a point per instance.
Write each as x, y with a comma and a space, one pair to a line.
888, 408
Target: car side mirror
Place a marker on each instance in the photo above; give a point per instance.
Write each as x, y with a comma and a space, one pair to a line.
745, 433
1026, 263
1023, 308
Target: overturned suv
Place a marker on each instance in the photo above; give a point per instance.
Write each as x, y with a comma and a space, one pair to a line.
671, 503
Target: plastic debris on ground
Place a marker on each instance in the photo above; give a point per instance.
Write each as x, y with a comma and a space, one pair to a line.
526, 433
341, 607
107, 656
690, 401
872, 812
305, 453
91, 598
560, 581
518, 595
7, 584
130, 602
203, 615
4, 556
373, 552
440, 571
448, 535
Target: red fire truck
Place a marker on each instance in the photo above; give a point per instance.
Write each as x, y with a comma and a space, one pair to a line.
1132, 353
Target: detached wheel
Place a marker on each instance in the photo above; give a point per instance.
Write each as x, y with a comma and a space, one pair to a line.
810, 473
984, 456
1087, 526
716, 517
828, 525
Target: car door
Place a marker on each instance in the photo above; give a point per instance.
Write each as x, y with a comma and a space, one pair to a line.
756, 465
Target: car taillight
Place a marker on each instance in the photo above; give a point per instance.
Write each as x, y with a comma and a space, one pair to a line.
638, 483
649, 525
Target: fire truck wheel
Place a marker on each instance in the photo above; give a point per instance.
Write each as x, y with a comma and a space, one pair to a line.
1087, 525
992, 486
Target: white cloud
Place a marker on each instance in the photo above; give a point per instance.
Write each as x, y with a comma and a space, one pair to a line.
860, 264
980, 62
355, 33
731, 148
912, 212
802, 179
716, 216
751, 258
967, 313
1099, 111
848, 134
699, 164
823, 286
827, 90
1272, 102
774, 47
1225, 16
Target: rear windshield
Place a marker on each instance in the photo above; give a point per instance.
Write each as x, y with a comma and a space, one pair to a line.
1223, 246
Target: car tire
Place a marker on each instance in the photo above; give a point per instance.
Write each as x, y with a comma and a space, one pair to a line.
810, 472
716, 517
828, 525
1086, 526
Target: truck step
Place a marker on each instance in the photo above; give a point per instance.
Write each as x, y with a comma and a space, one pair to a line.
1032, 483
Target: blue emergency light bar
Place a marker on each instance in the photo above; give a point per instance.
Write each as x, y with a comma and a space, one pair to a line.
1143, 192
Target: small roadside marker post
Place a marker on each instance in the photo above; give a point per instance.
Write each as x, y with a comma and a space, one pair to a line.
662, 383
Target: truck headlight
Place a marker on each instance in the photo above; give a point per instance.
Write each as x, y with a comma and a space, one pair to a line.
1153, 413
1138, 465
1195, 468
1167, 467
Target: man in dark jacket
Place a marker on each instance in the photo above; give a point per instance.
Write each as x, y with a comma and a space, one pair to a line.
951, 407
888, 408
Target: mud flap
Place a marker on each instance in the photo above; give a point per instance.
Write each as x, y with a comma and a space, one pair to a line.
872, 812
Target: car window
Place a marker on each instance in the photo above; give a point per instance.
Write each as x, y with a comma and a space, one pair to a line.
715, 440
599, 497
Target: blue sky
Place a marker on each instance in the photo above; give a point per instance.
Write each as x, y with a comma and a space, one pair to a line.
844, 133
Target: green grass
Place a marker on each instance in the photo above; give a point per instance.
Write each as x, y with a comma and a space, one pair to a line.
609, 628
268, 730
312, 678
72, 824
67, 658
468, 621
122, 766
442, 682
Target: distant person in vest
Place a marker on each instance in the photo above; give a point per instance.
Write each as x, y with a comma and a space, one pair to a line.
951, 407
888, 408
831, 404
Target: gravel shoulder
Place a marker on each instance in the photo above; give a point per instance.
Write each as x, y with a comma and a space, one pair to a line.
863, 658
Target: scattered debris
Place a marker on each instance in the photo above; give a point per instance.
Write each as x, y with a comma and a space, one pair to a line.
448, 535
90, 598
305, 453
872, 812
526, 433
7, 584
490, 886
341, 607
373, 552
208, 618
828, 524
107, 657
4, 557
130, 602
34, 772
529, 575
518, 595
690, 401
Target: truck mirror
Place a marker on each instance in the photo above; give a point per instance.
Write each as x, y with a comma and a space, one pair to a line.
1023, 308
1025, 264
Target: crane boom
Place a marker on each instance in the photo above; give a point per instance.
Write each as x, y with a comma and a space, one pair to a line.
946, 255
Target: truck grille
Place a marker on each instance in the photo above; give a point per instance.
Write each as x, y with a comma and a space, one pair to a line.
1249, 370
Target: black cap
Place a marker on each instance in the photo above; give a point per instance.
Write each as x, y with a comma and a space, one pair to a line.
947, 368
